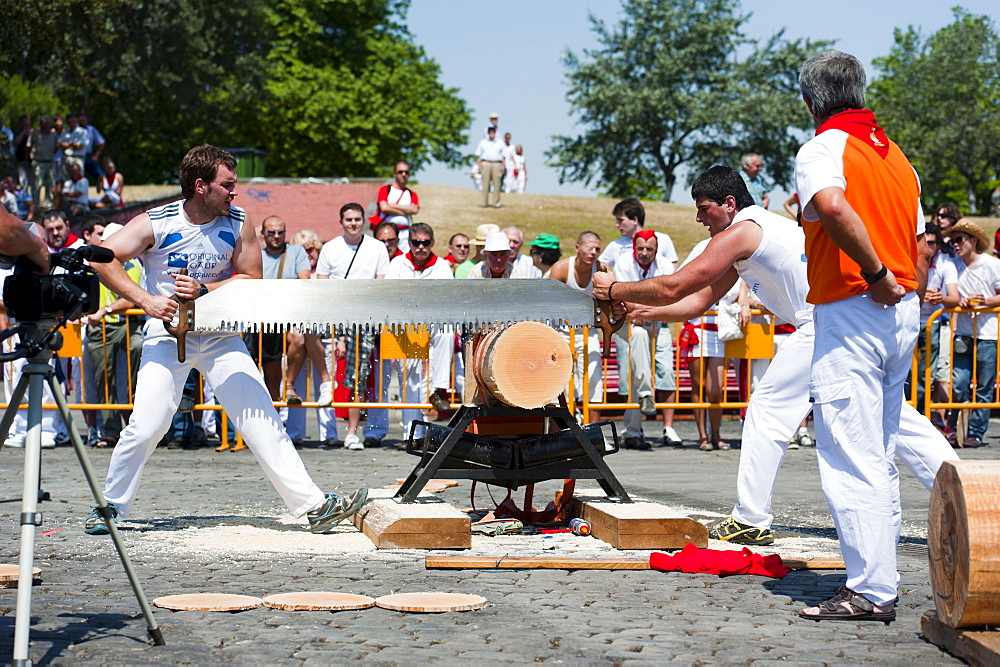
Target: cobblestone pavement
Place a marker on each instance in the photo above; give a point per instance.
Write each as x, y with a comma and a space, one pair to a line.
84, 611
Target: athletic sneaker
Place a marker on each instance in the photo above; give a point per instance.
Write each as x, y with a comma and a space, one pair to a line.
647, 407
731, 530
335, 509
354, 443
670, 437
48, 442
325, 393
14, 442
94, 525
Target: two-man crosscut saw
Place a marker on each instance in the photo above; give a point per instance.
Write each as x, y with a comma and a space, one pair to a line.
321, 306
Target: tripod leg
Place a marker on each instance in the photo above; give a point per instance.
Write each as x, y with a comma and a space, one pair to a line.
12, 406
30, 518
102, 507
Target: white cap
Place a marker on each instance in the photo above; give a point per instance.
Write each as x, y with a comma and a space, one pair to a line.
111, 229
497, 242
494, 114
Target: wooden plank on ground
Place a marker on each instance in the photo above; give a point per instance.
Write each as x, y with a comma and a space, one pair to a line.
559, 563
639, 525
974, 646
428, 523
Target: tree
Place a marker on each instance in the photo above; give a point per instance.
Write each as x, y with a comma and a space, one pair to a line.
939, 98
327, 87
350, 94
666, 90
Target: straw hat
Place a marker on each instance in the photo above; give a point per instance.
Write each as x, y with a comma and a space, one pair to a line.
972, 229
482, 231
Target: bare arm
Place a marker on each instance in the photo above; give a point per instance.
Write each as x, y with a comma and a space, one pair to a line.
398, 209
693, 305
736, 243
923, 264
304, 274
560, 270
17, 240
128, 243
788, 206
847, 230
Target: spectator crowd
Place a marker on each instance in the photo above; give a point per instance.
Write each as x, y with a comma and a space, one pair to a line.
49, 166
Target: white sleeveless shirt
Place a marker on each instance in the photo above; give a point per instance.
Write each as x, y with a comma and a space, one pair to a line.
571, 278
206, 251
776, 271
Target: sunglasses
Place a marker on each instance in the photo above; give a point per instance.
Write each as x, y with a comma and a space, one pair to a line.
421, 243
955, 240
273, 233
944, 215
388, 241
459, 245
404, 171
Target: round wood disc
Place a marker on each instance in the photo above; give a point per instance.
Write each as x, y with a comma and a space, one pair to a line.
318, 601
9, 572
431, 602
524, 365
208, 602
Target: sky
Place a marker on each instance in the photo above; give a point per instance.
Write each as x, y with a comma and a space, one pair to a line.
508, 57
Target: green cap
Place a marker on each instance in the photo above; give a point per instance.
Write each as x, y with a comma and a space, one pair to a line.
546, 241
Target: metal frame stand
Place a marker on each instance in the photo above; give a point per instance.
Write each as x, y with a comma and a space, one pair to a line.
33, 375
590, 466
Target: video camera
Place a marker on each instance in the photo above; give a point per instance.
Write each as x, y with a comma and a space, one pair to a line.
76, 292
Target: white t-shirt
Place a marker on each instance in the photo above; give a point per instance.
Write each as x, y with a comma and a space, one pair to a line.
983, 277
337, 256
623, 246
82, 186
940, 273
523, 266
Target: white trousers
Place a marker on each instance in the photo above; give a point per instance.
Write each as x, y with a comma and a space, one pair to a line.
862, 354
778, 405
225, 364
635, 372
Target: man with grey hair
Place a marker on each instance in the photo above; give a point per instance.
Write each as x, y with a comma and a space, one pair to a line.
866, 258
522, 265
752, 166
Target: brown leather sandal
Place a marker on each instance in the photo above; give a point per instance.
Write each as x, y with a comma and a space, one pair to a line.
848, 606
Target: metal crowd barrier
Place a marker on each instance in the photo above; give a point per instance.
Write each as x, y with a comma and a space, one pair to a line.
690, 392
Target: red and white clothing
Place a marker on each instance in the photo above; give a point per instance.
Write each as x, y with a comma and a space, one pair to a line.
776, 274
634, 342
622, 247
393, 196
863, 351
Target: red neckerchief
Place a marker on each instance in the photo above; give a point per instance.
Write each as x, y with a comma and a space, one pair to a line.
398, 253
450, 259
644, 234
860, 124
430, 261
71, 238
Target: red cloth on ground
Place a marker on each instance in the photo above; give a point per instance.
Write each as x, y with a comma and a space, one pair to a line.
693, 560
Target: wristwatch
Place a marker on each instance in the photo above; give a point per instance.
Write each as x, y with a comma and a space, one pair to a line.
202, 290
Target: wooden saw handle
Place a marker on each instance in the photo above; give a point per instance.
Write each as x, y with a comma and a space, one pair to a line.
185, 322
604, 320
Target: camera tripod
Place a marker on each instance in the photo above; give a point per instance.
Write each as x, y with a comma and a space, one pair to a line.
38, 339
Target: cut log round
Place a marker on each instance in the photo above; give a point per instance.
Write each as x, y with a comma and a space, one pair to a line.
208, 602
8, 575
318, 601
963, 540
431, 602
525, 365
